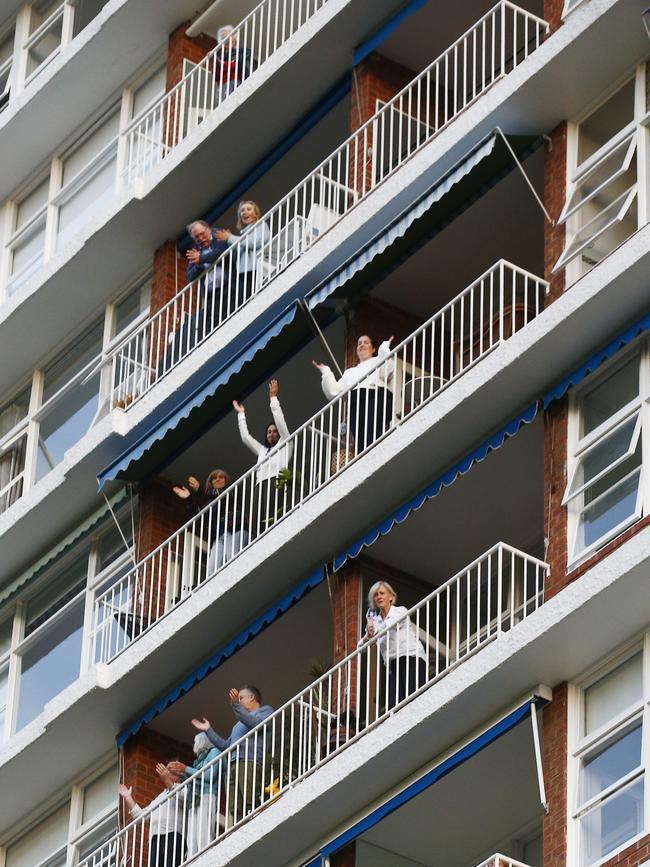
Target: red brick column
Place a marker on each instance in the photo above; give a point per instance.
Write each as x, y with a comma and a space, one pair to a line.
181, 48
167, 279
554, 195
555, 778
553, 13
636, 854
555, 514
347, 604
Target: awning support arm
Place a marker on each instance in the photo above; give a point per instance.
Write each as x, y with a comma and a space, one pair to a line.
538, 757
128, 547
309, 316
525, 176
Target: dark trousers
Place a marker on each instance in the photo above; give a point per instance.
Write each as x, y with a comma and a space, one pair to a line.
405, 675
245, 286
370, 411
166, 850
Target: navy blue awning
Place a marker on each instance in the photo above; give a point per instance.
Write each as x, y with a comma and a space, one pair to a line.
499, 728
577, 375
224, 653
460, 468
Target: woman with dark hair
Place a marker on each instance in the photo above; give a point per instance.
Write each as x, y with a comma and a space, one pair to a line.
370, 402
272, 457
249, 245
229, 532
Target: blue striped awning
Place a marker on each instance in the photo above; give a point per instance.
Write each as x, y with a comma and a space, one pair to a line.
444, 481
607, 352
399, 227
249, 632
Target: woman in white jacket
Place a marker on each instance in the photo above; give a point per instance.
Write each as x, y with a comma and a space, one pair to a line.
370, 403
272, 457
249, 244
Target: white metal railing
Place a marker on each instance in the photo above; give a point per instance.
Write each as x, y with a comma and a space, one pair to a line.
202, 90
489, 596
498, 304
494, 46
499, 860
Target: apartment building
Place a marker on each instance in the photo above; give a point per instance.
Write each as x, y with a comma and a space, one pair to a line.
424, 606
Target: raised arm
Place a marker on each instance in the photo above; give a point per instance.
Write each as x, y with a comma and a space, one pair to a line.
330, 385
276, 410
255, 446
384, 348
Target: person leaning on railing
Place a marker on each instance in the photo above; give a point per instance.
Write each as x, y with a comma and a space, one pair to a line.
402, 652
229, 533
166, 820
244, 768
370, 403
248, 245
202, 797
232, 64
267, 472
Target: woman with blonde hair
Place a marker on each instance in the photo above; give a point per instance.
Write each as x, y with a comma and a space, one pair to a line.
402, 651
249, 244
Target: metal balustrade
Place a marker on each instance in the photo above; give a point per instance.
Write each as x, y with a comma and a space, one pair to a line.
499, 860
493, 308
493, 47
150, 138
488, 597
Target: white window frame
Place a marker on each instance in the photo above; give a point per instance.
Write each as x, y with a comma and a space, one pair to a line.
637, 154
579, 745
64, 13
569, 6
579, 446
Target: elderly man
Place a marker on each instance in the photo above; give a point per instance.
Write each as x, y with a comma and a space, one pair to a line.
245, 765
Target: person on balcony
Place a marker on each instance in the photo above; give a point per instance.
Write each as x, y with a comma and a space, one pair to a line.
245, 769
232, 65
402, 652
248, 248
266, 497
201, 794
166, 819
370, 401
228, 527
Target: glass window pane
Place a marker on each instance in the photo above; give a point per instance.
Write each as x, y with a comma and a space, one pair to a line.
607, 509
130, 307
12, 467
44, 47
603, 768
6, 629
95, 839
59, 589
612, 694
152, 88
73, 359
93, 194
4, 676
27, 255
609, 175
50, 665
603, 221
14, 411
604, 453
32, 203
100, 794
43, 840
609, 395
618, 819
95, 142
608, 120
111, 544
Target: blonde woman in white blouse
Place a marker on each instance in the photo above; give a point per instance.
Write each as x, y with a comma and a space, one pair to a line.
402, 651
370, 402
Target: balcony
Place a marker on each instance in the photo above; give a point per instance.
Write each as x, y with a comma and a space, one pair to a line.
487, 598
500, 41
500, 303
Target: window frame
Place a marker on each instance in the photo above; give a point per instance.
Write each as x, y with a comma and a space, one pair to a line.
579, 745
578, 447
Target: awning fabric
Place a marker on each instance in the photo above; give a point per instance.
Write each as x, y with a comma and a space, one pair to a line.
61, 547
506, 724
577, 375
224, 653
444, 481
223, 366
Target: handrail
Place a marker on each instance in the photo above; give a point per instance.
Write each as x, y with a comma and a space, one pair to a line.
499, 303
490, 596
495, 45
177, 113
498, 860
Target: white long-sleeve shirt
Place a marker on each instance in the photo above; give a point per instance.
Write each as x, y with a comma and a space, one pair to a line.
399, 639
167, 818
281, 457
250, 244
378, 374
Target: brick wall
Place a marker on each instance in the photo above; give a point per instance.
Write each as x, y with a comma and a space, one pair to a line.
181, 47
554, 758
554, 195
636, 854
553, 13
555, 515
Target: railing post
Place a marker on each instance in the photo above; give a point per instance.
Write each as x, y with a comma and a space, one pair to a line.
503, 37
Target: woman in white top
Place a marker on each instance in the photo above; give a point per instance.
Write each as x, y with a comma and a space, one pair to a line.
271, 459
402, 652
370, 402
166, 820
254, 236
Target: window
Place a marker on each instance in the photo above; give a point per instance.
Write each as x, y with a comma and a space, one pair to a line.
609, 761
46, 634
604, 203
50, 26
27, 242
605, 490
6, 65
13, 443
45, 844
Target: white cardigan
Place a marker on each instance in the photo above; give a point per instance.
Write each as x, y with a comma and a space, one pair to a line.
353, 375
281, 457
